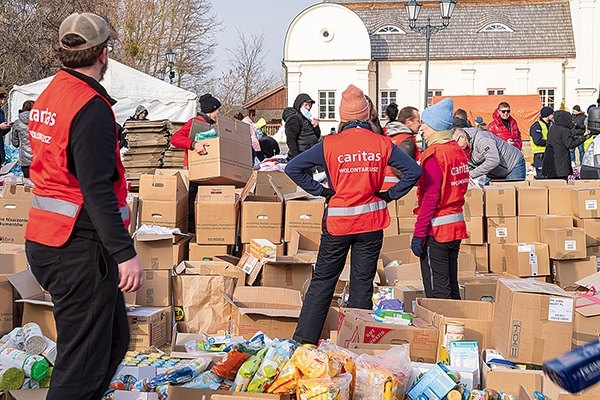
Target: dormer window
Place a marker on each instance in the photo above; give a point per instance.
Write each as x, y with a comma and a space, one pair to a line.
496, 28
385, 30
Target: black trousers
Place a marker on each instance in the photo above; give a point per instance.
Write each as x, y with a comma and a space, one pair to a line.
538, 161
365, 248
91, 322
192, 206
439, 269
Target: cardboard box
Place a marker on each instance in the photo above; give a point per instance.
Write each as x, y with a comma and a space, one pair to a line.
476, 315
14, 213
283, 182
7, 306
585, 202
512, 184
283, 272
480, 252
393, 208
475, 230
358, 326
163, 185
406, 225
216, 215
532, 200
156, 290
303, 247
170, 214
148, 327
37, 303
229, 158
303, 213
274, 311
528, 229
567, 272
497, 254
407, 294
393, 228
133, 201
501, 230
466, 265
548, 182
263, 250
161, 251
509, 380
395, 274
178, 392
560, 200
406, 204
586, 322
500, 201
12, 258
591, 226
262, 216
207, 252
224, 265
566, 243
593, 251
553, 221
533, 321
527, 259
474, 206
480, 289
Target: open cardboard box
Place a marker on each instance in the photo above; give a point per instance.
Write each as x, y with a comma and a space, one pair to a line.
284, 271
303, 247
224, 264
303, 213
218, 206
182, 393
262, 216
161, 251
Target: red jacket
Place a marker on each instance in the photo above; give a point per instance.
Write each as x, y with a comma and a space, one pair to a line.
57, 198
182, 138
498, 128
448, 222
356, 159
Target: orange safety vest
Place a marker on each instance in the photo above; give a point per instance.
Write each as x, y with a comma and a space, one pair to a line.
356, 159
448, 222
390, 178
57, 199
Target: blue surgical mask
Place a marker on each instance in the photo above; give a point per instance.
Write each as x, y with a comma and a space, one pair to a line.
306, 113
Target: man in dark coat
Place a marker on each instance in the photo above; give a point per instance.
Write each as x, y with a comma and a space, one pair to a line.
301, 128
561, 137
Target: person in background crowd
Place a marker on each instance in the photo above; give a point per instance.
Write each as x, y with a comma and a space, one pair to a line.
20, 137
253, 136
354, 160
441, 193
4, 126
301, 128
77, 242
140, 114
461, 119
538, 133
209, 110
268, 148
490, 156
260, 124
505, 126
480, 124
561, 138
579, 128
374, 115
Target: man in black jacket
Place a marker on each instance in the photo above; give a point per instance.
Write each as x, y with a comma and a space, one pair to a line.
301, 128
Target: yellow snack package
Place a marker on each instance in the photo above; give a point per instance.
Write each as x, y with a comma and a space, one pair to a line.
286, 381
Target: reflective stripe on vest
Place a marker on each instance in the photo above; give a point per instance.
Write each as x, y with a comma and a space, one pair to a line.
447, 219
358, 210
391, 179
66, 208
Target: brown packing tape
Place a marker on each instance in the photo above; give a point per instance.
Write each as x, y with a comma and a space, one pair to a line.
500, 209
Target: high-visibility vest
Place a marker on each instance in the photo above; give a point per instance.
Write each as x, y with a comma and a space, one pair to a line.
356, 159
390, 178
535, 149
57, 199
448, 222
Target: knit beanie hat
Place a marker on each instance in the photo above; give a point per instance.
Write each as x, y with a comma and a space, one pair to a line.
439, 116
546, 111
354, 105
577, 108
208, 103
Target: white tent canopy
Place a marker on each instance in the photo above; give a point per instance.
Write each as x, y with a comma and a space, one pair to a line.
130, 88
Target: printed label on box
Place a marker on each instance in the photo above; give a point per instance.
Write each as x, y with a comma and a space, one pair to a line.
501, 232
533, 262
560, 310
591, 205
570, 245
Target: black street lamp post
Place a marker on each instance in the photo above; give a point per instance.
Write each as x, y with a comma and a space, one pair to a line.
413, 7
171, 61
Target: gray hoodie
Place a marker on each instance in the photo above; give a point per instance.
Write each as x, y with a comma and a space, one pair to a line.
491, 155
20, 138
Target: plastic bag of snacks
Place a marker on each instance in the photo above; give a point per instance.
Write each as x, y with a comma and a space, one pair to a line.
381, 378
287, 380
206, 381
228, 366
247, 371
173, 376
314, 363
275, 358
326, 388
346, 356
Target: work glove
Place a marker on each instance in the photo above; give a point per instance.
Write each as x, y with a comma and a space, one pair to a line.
384, 196
328, 194
416, 245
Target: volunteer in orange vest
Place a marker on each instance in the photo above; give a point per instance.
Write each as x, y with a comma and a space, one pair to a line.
354, 161
209, 110
441, 193
77, 241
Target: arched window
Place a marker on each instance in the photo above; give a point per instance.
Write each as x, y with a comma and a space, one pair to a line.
496, 27
388, 29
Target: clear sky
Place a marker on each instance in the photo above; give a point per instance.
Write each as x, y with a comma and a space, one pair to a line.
256, 16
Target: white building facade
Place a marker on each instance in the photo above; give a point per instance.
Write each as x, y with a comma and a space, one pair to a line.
512, 47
